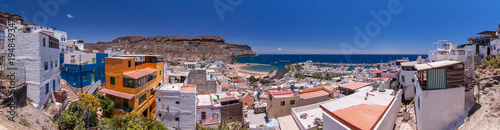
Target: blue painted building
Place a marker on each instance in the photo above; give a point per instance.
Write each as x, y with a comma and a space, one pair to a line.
83, 69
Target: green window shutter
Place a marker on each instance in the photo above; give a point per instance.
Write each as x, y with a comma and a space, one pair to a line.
112, 80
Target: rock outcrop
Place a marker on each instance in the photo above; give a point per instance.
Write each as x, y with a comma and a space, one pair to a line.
203, 47
4, 16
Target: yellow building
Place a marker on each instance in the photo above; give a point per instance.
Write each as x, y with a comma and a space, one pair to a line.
131, 81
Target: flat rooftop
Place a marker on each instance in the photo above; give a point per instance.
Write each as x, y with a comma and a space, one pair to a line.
354, 110
188, 88
313, 111
355, 85
174, 86
204, 100
315, 92
282, 94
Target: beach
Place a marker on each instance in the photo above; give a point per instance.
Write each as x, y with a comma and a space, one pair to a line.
246, 73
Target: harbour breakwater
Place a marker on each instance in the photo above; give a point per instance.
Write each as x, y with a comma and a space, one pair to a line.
345, 64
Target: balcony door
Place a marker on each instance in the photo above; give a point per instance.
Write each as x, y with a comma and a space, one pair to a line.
92, 78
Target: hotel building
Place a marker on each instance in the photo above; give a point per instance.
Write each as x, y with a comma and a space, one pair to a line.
131, 81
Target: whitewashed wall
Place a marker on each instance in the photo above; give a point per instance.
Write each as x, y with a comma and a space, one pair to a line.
329, 123
440, 109
30, 51
389, 119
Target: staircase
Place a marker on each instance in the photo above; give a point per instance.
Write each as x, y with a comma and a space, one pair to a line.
72, 94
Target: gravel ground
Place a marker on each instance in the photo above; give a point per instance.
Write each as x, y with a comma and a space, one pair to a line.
34, 119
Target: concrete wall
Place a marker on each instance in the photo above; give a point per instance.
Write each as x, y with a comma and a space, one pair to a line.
169, 110
187, 110
388, 121
232, 112
198, 77
440, 109
408, 85
274, 108
31, 52
331, 124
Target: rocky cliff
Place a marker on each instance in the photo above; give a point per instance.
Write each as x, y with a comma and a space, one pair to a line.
203, 47
4, 16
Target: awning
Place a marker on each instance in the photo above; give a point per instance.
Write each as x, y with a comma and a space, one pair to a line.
438, 64
117, 93
140, 73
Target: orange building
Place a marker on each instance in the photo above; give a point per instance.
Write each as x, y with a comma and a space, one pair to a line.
131, 81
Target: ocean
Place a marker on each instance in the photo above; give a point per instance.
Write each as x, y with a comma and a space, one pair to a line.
279, 61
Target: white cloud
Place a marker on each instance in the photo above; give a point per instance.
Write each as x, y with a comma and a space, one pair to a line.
70, 16
279, 49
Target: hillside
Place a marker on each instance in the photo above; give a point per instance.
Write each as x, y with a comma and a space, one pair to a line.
4, 16
204, 47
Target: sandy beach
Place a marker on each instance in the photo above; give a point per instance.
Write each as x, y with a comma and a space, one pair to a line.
238, 68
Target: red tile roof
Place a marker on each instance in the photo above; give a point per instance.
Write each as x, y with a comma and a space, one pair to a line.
117, 93
140, 73
314, 94
225, 86
362, 116
355, 85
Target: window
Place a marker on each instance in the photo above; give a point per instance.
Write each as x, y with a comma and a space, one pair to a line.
203, 115
93, 61
51, 64
160, 72
130, 83
159, 114
56, 63
403, 78
112, 80
102, 60
282, 103
46, 88
54, 85
84, 77
292, 102
418, 103
176, 102
102, 72
177, 119
129, 63
142, 99
43, 42
46, 65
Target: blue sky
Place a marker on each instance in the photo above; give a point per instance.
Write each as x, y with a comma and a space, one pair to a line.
295, 26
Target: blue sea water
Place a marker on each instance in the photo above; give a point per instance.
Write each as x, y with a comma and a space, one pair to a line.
280, 60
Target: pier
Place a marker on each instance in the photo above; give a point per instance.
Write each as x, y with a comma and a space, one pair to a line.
345, 64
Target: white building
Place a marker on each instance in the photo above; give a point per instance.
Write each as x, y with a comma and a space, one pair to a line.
38, 49
208, 110
305, 116
407, 81
441, 100
449, 51
176, 106
365, 109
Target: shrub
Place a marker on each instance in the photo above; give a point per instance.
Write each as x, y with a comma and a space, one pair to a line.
107, 105
89, 101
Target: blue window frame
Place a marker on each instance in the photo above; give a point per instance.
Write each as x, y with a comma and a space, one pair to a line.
46, 88
54, 85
